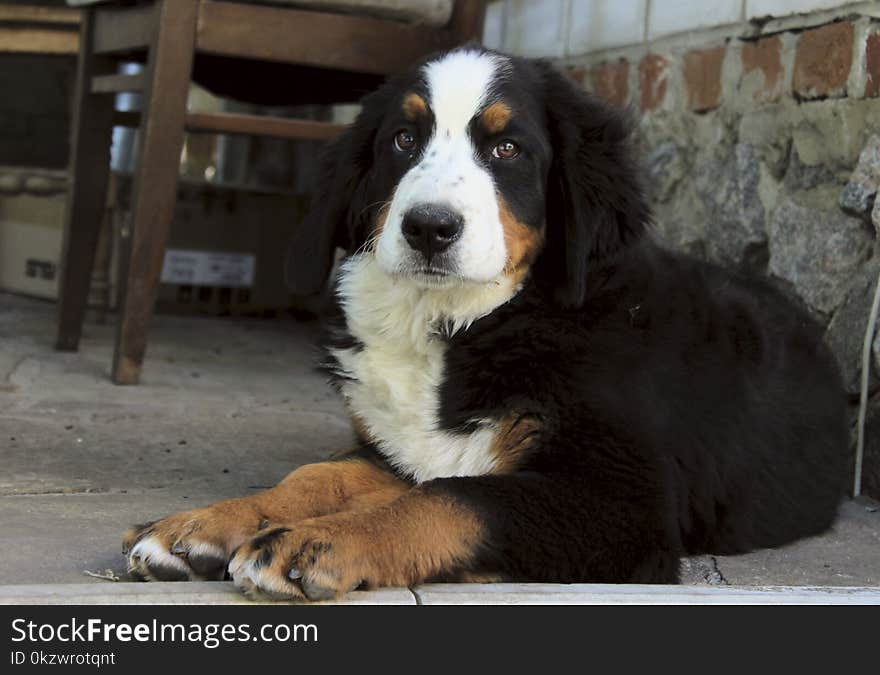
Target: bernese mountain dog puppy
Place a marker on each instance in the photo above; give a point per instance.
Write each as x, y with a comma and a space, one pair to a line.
539, 391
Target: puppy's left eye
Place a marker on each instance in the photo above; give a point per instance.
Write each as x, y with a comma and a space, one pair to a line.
506, 149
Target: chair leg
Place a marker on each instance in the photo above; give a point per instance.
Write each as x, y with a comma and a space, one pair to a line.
168, 72
89, 172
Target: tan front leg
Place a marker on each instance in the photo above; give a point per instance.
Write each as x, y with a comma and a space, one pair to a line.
198, 544
416, 537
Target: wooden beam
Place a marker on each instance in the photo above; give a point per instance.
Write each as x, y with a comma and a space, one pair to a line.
38, 40
109, 84
245, 125
31, 14
257, 125
341, 41
123, 29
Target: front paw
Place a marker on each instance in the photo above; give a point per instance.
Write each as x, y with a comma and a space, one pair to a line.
312, 561
193, 545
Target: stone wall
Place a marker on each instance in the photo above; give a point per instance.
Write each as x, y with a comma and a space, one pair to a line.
761, 141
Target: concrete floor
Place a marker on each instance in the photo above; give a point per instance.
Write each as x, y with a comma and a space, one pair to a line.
226, 407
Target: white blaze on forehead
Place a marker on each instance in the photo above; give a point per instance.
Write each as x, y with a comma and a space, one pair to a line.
458, 87
448, 173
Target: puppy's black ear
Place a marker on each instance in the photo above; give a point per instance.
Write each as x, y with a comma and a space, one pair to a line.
595, 201
339, 217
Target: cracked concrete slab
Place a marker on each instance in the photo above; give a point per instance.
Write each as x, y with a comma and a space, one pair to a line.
226, 407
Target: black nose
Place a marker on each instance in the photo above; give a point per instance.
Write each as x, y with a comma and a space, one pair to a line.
431, 229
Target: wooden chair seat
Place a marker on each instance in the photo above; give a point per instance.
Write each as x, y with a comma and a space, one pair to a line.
433, 13
257, 52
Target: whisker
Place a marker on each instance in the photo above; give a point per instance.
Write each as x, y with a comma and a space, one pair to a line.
369, 206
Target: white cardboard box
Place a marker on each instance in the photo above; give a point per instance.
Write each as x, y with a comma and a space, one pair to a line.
225, 254
31, 230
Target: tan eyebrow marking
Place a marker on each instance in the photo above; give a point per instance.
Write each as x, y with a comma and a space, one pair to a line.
496, 117
414, 105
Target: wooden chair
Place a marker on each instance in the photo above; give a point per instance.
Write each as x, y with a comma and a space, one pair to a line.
38, 29
261, 53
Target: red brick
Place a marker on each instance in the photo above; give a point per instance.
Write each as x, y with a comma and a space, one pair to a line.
702, 77
765, 57
872, 61
653, 75
611, 81
823, 61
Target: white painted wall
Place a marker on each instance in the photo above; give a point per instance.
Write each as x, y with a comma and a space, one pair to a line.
536, 27
602, 24
558, 28
667, 17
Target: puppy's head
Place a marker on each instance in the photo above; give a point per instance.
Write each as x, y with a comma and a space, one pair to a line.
474, 167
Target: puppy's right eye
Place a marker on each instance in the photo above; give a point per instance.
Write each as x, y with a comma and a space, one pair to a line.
404, 141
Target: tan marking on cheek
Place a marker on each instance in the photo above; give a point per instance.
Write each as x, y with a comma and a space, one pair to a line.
413, 106
523, 242
378, 226
517, 436
496, 117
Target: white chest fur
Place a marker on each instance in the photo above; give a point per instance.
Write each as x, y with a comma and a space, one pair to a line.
392, 383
